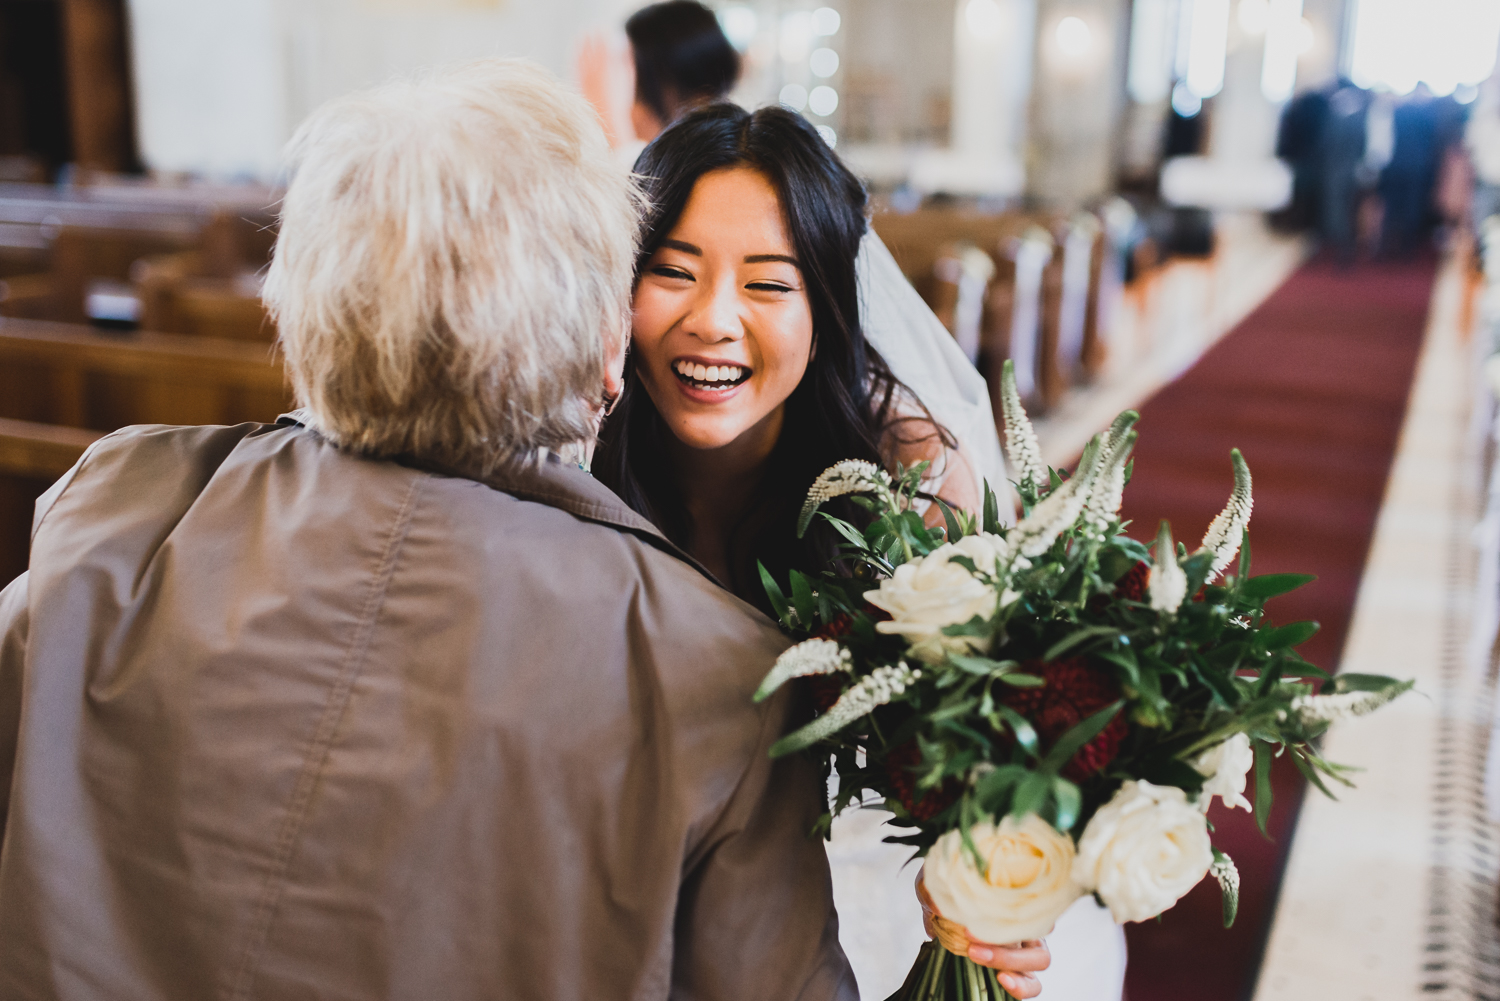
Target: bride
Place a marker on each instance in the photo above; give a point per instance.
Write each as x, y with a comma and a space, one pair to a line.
762, 355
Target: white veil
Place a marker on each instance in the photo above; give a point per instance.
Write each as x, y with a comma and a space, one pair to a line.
925, 357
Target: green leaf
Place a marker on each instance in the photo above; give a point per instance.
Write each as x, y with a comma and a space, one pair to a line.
982, 666
1311, 774
1228, 888
1271, 584
845, 529
1069, 743
1244, 570
1137, 551
991, 510
1222, 687
1287, 636
773, 592
1262, 784
1363, 683
1022, 680
1074, 639
993, 791
1024, 731
1031, 794
955, 530
1125, 660
1069, 803
802, 599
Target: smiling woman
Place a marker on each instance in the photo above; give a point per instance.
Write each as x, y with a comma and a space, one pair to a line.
749, 373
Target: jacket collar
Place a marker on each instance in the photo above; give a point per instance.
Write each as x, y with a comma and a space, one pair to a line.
548, 480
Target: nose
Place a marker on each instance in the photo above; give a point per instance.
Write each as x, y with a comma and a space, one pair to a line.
715, 316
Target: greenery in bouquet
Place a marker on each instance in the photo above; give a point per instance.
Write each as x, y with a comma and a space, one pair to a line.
1049, 708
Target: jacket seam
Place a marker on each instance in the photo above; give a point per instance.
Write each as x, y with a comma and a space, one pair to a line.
317, 754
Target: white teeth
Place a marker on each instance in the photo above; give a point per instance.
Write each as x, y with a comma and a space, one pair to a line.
708, 373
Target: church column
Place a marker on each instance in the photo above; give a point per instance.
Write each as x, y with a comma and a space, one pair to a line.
1077, 99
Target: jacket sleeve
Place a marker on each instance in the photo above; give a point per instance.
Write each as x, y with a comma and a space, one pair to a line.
13, 622
755, 916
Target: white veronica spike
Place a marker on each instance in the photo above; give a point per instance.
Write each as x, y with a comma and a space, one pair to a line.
1225, 531
1058, 510
875, 689
1344, 705
814, 656
1021, 445
1109, 486
852, 476
1167, 585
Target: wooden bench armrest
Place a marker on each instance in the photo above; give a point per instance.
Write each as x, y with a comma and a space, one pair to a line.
41, 451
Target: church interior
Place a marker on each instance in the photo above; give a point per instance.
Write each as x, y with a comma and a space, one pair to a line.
1271, 225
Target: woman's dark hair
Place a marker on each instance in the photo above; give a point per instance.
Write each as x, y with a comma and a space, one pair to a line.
681, 57
845, 405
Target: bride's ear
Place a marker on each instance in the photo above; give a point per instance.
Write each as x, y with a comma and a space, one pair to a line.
614, 370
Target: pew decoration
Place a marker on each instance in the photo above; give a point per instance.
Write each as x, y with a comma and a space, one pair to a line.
1048, 709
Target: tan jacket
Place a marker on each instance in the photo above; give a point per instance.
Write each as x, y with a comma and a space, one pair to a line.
278, 722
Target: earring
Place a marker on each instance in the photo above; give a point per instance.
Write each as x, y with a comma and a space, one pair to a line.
610, 402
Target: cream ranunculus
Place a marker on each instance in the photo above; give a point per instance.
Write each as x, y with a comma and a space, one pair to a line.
1028, 885
1225, 766
1143, 850
931, 592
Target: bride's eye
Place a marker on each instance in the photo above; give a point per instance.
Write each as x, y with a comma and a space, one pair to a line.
769, 287
668, 271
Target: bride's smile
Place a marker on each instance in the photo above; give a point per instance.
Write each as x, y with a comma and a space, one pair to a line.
723, 329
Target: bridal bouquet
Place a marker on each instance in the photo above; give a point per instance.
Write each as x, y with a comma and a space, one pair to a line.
1049, 708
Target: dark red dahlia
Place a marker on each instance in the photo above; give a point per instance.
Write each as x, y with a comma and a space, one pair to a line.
1073, 692
901, 765
1132, 586
840, 626
825, 690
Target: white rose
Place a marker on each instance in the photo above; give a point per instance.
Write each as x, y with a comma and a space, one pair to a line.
931, 592
1143, 850
1225, 766
1028, 886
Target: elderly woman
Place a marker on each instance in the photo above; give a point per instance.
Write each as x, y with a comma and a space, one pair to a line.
382, 701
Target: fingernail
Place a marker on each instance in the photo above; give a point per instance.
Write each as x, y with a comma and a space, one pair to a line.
1008, 982
979, 954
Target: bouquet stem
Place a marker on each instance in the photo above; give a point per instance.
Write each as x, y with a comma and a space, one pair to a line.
939, 975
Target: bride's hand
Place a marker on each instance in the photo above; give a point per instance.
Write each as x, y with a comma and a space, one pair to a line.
1014, 964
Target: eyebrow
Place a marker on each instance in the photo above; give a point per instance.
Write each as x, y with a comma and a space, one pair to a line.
696, 251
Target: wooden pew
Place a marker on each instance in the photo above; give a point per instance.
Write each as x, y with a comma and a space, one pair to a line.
62, 385
32, 456
76, 376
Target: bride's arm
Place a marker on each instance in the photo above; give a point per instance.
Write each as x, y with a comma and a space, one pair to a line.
951, 475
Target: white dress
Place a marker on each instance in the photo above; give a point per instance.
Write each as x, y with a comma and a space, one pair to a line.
880, 922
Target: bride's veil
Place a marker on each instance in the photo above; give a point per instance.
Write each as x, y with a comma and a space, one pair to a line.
925, 357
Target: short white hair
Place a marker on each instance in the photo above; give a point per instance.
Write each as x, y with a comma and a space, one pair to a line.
454, 266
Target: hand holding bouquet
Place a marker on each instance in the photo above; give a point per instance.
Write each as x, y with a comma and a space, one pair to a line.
1049, 708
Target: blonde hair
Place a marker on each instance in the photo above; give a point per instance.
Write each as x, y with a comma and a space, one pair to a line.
454, 266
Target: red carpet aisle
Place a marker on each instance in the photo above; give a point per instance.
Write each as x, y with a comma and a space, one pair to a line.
1312, 387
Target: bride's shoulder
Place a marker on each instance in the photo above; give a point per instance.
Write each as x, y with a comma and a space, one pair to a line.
912, 438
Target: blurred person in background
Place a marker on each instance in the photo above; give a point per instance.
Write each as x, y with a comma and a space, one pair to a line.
384, 700
679, 59
1299, 141
1406, 184
1341, 151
